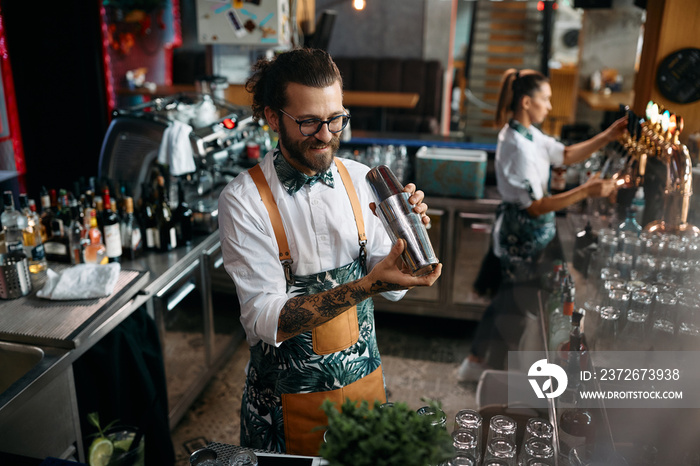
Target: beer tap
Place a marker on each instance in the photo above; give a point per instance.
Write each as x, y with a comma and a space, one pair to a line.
664, 141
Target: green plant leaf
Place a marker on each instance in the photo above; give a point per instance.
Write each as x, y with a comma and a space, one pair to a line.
362, 435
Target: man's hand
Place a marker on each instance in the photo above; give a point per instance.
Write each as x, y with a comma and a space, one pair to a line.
392, 274
415, 198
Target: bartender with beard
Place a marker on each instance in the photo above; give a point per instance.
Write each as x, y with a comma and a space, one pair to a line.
307, 254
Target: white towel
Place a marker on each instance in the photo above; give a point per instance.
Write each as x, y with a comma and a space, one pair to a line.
176, 150
82, 281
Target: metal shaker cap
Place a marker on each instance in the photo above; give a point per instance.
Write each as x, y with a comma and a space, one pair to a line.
383, 182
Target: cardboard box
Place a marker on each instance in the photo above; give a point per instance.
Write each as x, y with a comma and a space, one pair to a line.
451, 172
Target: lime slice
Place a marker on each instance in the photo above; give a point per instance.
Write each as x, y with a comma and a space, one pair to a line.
123, 444
100, 451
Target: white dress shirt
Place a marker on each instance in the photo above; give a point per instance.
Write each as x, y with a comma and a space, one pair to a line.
521, 163
321, 233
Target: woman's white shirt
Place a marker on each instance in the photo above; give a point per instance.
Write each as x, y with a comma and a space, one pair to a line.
523, 166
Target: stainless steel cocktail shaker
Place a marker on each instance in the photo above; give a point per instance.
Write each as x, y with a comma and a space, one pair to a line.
401, 221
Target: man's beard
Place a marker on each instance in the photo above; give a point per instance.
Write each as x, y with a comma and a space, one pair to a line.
297, 150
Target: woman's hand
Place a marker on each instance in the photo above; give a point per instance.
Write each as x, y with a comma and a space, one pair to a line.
595, 187
616, 130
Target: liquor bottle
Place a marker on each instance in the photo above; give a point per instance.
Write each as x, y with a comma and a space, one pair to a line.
37, 219
582, 252
110, 229
638, 204
99, 211
559, 323
31, 235
150, 222
574, 349
166, 226
13, 224
577, 425
630, 224
95, 252
57, 246
76, 233
64, 213
46, 214
552, 280
183, 217
132, 245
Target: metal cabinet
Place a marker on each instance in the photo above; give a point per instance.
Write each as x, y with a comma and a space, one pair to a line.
460, 234
197, 336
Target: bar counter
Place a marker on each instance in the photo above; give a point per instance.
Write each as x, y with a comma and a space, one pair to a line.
158, 280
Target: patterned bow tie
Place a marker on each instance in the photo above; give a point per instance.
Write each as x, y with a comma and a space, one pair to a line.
293, 180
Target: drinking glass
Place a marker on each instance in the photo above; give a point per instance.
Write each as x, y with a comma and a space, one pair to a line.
465, 441
500, 448
663, 327
619, 299
644, 268
623, 262
244, 457
635, 336
607, 330
677, 248
537, 451
693, 249
495, 462
688, 322
537, 427
438, 417
641, 301
607, 245
600, 282
122, 438
657, 245
661, 287
462, 459
631, 245
468, 419
501, 427
680, 270
615, 284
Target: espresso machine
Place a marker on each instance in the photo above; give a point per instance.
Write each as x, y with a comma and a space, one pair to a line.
220, 136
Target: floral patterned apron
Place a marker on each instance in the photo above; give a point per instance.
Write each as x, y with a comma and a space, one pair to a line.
286, 385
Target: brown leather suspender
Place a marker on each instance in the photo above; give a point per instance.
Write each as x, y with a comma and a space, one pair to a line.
276, 219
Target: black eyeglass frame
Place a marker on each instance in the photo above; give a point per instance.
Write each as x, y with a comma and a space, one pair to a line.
320, 123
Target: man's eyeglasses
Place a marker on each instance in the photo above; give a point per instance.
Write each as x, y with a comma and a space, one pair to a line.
312, 126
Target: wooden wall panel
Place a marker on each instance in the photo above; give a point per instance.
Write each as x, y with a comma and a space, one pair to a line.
671, 25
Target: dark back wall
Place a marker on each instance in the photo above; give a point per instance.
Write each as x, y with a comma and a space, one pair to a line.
55, 52
386, 28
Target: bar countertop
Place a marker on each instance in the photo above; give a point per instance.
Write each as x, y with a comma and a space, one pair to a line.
140, 279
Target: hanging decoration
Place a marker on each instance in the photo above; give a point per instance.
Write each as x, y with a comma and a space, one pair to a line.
135, 21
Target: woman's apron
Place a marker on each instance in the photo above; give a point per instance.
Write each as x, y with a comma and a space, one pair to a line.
286, 385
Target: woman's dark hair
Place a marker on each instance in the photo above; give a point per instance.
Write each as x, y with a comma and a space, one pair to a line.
514, 86
305, 66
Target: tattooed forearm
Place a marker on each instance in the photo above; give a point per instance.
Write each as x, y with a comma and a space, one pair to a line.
295, 318
380, 287
303, 313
